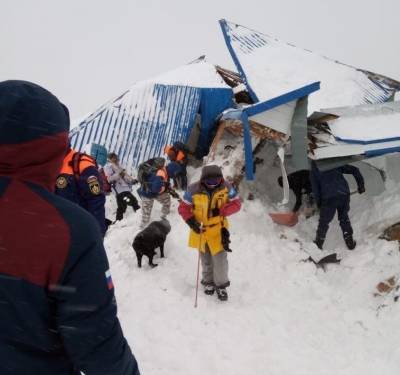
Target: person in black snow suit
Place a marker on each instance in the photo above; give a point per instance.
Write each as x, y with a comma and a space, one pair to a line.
58, 314
299, 183
331, 192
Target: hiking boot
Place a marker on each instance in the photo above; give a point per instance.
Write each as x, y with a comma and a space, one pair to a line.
222, 294
350, 243
319, 242
209, 290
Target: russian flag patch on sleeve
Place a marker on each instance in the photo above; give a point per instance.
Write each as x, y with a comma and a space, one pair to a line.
110, 284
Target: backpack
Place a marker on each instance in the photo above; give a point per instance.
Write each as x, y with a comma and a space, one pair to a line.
147, 169
106, 185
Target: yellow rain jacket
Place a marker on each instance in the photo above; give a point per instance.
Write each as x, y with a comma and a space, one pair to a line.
203, 204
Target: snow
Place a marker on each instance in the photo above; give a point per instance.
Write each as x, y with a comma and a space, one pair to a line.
199, 74
367, 129
273, 68
284, 316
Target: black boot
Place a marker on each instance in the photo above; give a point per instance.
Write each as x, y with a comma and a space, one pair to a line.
319, 242
209, 290
350, 243
222, 294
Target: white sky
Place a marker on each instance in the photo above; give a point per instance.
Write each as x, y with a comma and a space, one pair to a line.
87, 51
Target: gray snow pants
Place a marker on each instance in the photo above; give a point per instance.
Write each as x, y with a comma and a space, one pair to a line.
214, 268
147, 206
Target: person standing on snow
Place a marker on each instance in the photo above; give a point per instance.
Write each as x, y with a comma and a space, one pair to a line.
121, 183
58, 313
154, 183
331, 192
204, 207
79, 181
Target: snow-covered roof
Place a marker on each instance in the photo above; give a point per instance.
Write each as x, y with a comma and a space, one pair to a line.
152, 113
271, 67
197, 74
362, 130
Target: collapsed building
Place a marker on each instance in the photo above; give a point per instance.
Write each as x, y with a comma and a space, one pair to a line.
282, 98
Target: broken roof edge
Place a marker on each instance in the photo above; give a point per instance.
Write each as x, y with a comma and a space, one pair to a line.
282, 99
224, 26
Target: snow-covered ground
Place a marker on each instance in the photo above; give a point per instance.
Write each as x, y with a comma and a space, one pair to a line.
283, 317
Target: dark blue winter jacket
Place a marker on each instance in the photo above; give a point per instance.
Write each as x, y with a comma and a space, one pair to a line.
85, 188
57, 310
330, 184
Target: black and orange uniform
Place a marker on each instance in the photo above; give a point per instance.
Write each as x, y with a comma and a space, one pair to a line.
58, 313
79, 181
179, 156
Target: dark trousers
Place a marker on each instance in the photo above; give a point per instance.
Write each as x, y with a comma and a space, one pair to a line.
124, 200
341, 204
180, 180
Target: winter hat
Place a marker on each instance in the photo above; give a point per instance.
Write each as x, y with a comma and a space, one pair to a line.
34, 127
211, 176
211, 171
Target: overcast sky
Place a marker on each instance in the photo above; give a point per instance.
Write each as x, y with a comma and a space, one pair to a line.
88, 51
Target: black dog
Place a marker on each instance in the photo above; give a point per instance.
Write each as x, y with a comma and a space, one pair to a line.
151, 237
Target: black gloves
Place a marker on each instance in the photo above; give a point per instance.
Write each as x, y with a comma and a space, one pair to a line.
225, 239
361, 189
194, 225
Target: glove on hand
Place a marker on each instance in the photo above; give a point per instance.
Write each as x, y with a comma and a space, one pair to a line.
361, 189
194, 225
225, 239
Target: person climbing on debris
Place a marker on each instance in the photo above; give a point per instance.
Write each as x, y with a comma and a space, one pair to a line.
178, 153
121, 183
331, 193
79, 181
154, 183
204, 207
300, 184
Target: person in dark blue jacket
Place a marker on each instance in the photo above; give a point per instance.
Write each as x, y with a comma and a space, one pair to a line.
155, 187
58, 314
80, 182
331, 193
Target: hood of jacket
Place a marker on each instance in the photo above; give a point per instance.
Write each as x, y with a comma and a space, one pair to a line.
34, 127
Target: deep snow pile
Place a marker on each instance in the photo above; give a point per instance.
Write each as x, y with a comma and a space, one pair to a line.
283, 316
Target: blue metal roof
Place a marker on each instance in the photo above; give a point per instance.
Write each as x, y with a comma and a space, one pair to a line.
248, 48
282, 99
139, 123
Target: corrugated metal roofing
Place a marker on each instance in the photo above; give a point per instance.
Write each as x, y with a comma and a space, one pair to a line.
139, 123
270, 67
365, 130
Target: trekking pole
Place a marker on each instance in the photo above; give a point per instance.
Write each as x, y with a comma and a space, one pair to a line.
197, 277
198, 266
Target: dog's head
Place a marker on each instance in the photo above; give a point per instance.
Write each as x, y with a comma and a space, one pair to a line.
165, 225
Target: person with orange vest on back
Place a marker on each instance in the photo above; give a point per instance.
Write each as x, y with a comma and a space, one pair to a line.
177, 153
154, 183
79, 181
